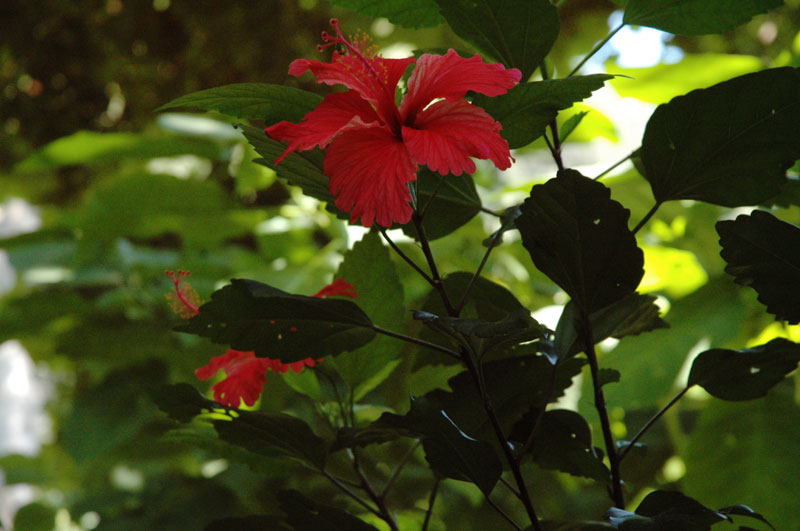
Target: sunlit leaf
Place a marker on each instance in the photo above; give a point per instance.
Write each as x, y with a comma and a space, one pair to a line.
518, 33
369, 268
763, 252
695, 17
730, 144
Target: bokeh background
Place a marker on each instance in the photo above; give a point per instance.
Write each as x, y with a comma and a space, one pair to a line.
99, 194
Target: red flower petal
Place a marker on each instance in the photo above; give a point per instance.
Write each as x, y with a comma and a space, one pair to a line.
245, 377
374, 78
450, 76
338, 287
323, 123
448, 133
369, 168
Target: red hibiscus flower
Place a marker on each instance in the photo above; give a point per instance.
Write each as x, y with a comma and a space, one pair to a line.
377, 146
245, 374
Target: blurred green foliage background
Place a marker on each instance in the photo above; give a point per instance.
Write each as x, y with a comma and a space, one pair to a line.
124, 193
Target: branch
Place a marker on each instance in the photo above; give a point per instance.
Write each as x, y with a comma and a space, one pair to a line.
399, 467
646, 218
555, 147
611, 168
600, 404
426, 250
431, 501
344, 488
405, 257
650, 423
596, 49
409, 339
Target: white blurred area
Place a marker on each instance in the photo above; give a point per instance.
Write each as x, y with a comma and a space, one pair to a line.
24, 388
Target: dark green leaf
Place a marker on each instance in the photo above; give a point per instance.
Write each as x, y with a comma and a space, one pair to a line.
763, 252
304, 514
528, 108
352, 437
606, 376
269, 434
273, 434
450, 451
249, 315
181, 402
408, 13
514, 385
729, 144
579, 237
744, 374
630, 316
369, 268
549, 525
664, 511
448, 202
562, 442
695, 17
743, 510
302, 169
257, 101
518, 33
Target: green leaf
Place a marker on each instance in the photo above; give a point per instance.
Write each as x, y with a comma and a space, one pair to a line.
525, 110
763, 252
257, 101
741, 453
352, 437
450, 451
273, 434
448, 201
579, 237
369, 268
563, 442
181, 402
518, 33
729, 144
408, 13
35, 516
632, 315
744, 374
88, 147
305, 514
570, 125
249, 315
302, 169
743, 510
695, 17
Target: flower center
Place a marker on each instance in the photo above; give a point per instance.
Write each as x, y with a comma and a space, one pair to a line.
359, 46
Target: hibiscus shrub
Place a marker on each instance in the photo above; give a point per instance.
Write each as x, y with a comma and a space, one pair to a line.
393, 150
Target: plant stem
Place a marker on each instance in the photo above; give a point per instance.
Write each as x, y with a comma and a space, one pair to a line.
611, 168
416, 341
472, 280
489, 211
405, 257
376, 498
596, 49
553, 152
433, 196
502, 513
399, 467
646, 218
650, 423
510, 487
524, 496
344, 488
426, 250
555, 148
600, 404
431, 501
